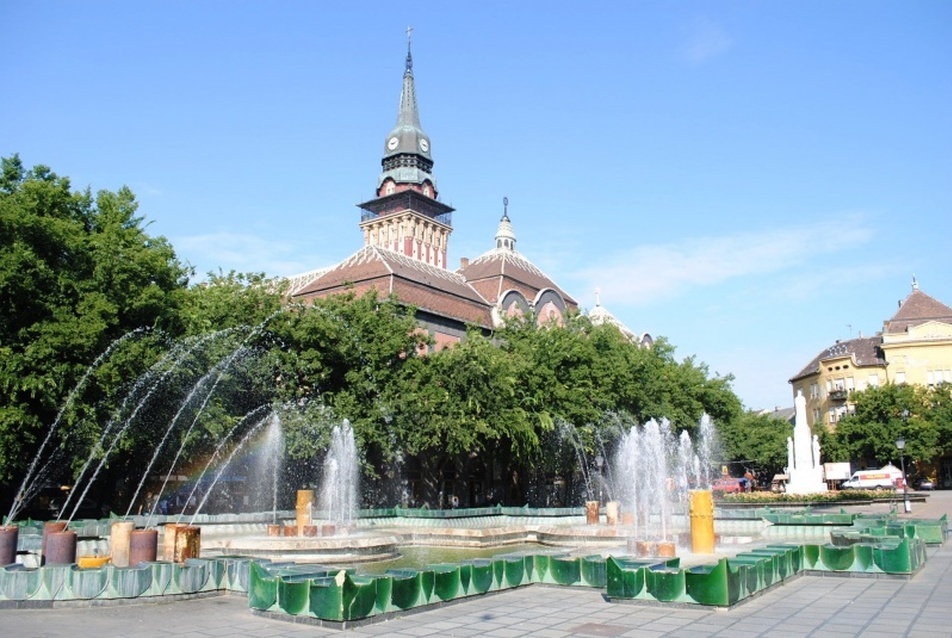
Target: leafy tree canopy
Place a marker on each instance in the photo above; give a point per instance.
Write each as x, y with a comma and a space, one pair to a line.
77, 272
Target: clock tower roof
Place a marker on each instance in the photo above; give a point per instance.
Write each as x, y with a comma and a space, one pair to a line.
407, 136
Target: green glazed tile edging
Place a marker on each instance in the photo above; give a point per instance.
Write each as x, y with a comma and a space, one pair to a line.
880, 544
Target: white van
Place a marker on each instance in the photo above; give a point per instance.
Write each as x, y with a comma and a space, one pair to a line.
888, 477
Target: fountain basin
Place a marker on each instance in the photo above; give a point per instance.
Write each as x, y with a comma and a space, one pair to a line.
307, 549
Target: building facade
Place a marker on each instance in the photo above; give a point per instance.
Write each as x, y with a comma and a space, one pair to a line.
915, 346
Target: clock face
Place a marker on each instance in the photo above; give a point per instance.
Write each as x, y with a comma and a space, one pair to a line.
392, 143
424, 145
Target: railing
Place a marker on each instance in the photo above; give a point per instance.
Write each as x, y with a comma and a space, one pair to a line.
838, 395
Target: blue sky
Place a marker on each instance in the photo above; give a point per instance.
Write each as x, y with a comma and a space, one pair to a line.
751, 180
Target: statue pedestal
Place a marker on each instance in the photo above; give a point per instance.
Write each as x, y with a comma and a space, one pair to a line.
806, 481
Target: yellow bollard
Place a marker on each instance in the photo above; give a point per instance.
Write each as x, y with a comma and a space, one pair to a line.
702, 522
305, 503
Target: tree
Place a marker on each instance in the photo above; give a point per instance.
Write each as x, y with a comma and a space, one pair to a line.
883, 414
757, 441
76, 274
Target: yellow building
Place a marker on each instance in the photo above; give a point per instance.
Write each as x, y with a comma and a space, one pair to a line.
914, 347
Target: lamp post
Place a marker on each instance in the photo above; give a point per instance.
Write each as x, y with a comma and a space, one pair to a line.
901, 444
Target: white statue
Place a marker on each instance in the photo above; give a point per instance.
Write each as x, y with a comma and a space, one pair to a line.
803, 455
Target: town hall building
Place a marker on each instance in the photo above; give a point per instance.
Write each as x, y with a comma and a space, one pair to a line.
406, 230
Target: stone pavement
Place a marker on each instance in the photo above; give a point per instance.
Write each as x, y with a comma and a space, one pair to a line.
807, 606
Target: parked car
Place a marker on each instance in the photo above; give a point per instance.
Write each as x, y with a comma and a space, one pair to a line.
728, 485
925, 485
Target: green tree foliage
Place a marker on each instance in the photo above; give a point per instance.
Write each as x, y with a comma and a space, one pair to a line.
76, 273
883, 414
346, 353
757, 441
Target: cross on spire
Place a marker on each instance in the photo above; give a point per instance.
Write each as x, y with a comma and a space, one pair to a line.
409, 57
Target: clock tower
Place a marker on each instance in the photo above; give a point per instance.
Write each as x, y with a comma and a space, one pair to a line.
406, 217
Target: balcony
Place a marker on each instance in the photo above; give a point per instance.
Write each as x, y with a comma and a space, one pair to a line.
838, 394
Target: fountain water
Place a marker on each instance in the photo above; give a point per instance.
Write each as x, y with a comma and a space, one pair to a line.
652, 473
339, 489
36, 475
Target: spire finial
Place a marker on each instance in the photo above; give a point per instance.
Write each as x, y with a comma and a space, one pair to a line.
598, 300
505, 208
915, 284
409, 57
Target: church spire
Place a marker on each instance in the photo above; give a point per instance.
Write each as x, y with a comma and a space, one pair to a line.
407, 163
406, 215
409, 115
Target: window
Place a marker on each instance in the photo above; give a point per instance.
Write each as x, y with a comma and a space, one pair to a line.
873, 380
849, 384
900, 378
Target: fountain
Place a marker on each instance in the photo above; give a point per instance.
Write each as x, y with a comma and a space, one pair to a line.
338, 501
654, 474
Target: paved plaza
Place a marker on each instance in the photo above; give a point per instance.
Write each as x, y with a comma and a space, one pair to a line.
830, 606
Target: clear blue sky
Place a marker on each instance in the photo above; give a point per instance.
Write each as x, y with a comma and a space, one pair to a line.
752, 180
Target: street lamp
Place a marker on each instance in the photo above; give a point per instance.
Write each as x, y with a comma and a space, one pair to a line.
901, 444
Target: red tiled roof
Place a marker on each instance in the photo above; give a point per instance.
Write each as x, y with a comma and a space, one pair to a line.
918, 308
413, 282
864, 351
498, 270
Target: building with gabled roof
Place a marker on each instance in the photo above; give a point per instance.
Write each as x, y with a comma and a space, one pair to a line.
915, 346
406, 231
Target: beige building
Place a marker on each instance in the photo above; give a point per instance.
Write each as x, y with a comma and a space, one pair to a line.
915, 347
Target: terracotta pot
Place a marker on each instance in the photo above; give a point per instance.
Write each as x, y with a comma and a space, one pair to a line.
120, 535
50, 527
188, 543
60, 548
591, 512
169, 534
611, 512
9, 537
143, 546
